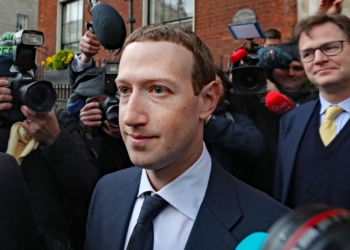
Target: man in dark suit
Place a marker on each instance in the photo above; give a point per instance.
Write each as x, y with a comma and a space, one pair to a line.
312, 166
167, 88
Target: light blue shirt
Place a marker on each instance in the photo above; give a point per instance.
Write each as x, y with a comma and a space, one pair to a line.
185, 195
342, 118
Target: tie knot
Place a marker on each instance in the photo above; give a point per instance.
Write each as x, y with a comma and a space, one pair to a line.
151, 207
332, 112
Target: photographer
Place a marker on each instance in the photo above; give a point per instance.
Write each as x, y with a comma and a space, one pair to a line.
290, 81
231, 138
58, 169
103, 137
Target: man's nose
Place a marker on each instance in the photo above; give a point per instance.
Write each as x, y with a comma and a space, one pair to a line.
135, 110
320, 57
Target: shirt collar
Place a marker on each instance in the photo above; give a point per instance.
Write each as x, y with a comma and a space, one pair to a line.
186, 192
325, 104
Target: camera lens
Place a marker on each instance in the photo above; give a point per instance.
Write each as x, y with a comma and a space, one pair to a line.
112, 115
39, 96
249, 80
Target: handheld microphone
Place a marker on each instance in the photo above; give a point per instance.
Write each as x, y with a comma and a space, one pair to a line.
278, 103
238, 55
253, 241
107, 25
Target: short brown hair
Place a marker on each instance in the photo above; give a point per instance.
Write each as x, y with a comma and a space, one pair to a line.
203, 71
272, 34
305, 25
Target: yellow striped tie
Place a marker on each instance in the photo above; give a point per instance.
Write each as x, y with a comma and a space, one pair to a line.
328, 127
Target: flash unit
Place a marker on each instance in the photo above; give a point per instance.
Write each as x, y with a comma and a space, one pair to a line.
28, 37
112, 68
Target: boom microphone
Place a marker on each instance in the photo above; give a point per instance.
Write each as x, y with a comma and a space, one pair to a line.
107, 25
253, 241
238, 55
278, 103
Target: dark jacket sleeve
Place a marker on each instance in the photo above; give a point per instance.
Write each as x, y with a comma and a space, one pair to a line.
241, 134
75, 170
18, 229
73, 74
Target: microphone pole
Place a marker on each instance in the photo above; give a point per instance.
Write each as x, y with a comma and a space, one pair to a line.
131, 19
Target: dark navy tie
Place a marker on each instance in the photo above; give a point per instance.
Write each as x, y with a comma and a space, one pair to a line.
142, 237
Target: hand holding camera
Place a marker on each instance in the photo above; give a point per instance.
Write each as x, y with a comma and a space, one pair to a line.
90, 115
5, 96
43, 128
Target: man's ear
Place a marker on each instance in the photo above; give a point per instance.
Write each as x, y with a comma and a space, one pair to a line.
210, 95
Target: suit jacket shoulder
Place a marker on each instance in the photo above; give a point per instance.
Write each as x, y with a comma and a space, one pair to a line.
231, 210
110, 209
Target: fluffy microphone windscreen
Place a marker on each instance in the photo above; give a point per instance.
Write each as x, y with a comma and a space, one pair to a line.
108, 26
278, 103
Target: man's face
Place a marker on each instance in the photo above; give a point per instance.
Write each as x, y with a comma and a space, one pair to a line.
159, 114
290, 78
271, 42
328, 73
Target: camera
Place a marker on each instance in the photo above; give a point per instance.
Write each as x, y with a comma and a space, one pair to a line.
109, 100
110, 107
38, 96
110, 110
250, 64
247, 77
109, 74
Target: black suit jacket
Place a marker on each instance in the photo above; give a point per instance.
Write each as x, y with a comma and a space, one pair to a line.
292, 127
230, 211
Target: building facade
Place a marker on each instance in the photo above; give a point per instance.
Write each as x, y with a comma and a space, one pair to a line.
18, 14
63, 21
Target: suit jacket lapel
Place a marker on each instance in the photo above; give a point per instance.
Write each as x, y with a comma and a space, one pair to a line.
218, 213
301, 120
122, 204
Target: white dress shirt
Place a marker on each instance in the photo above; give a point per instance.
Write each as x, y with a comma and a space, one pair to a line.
342, 118
185, 195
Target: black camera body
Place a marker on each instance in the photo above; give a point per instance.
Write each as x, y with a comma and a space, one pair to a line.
38, 96
110, 110
247, 77
110, 106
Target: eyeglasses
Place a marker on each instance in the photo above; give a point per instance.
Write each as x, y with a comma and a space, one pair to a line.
328, 49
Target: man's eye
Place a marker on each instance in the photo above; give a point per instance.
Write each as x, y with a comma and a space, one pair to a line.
306, 54
123, 90
158, 90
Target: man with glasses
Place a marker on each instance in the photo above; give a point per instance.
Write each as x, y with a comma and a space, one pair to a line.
312, 166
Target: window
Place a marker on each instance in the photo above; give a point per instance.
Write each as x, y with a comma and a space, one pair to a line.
72, 25
179, 12
21, 22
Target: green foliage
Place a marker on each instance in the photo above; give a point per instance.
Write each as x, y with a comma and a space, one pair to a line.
60, 60
311, 86
6, 36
